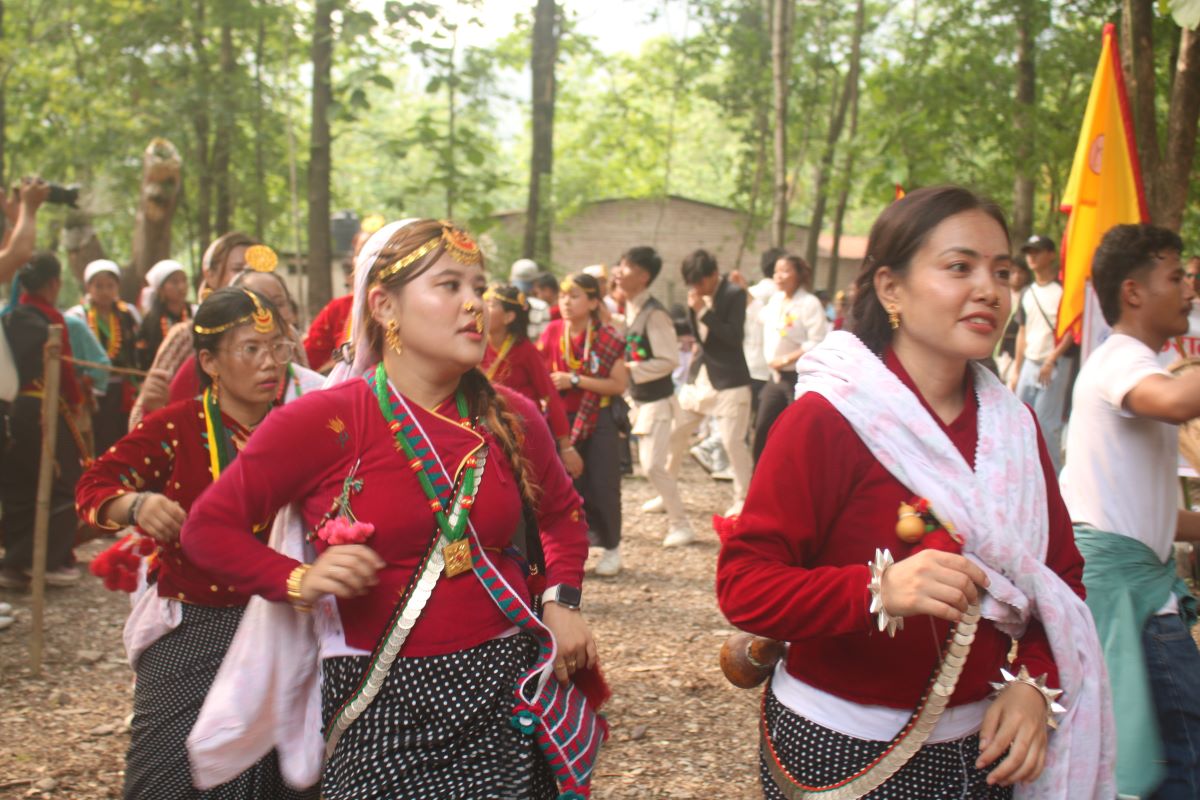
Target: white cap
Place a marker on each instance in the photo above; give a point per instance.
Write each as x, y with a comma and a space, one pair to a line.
524, 269
100, 265
597, 271
159, 273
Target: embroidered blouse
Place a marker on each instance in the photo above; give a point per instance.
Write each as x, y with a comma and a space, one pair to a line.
795, 568
304, 451
167, 452
523, 370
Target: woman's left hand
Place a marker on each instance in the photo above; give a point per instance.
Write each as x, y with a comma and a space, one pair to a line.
576, 646
1016, 722
562, 380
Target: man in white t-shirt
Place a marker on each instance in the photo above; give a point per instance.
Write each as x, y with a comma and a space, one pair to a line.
1120, 486
1041, 373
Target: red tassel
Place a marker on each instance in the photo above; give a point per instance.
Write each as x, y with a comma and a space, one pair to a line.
939, 540
590, 681
724, 526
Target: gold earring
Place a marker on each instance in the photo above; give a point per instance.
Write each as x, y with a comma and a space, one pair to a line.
392, 336
216, 387
894, 317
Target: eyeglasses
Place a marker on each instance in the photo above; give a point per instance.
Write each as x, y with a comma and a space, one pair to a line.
256, 353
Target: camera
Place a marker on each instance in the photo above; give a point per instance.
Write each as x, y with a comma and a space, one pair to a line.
64, 195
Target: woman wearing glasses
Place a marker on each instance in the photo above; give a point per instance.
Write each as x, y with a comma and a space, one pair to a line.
181, 626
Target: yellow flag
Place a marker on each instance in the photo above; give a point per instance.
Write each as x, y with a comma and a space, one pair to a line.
1105, 187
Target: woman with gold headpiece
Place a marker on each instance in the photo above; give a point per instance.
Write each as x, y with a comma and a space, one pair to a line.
182, 624
438, 678
223, 260
512, 360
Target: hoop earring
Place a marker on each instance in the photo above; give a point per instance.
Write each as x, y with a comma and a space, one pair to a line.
391, 336
894, 317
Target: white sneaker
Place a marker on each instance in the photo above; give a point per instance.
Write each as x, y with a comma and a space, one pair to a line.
5, 610
733, 510
723, 474
679, 535
609, 564
5, 622
655, 506
703, 457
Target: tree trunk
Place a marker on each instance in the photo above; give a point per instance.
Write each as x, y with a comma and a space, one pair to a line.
835, 133
260, 159
1025, 134
781, 38
3, 113
1174, 180
539, 212
223, 140
839, 214
1166, 171
201, 128
80, 241
320, 255
156, 208
451, 125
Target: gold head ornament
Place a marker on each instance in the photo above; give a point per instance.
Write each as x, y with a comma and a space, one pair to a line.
260, 258
263, 319
461, 247
516, 302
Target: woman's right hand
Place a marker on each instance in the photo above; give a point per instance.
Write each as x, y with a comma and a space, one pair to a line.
932, 582
572, 461
161, 517
344, 571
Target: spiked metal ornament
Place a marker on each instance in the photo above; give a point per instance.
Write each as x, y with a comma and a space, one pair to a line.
883, 560
1053, 708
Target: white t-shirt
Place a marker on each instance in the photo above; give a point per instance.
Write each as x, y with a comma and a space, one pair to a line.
1121, 469
1039, 334
752, 341
792, 323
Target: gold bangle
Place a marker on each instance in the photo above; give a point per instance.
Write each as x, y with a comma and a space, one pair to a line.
293, 588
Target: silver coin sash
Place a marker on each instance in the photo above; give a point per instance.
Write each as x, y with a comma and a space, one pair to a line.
381, 665
912, 736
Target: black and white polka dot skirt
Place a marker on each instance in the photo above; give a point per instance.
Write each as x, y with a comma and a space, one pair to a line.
173, 676
817, 756
440, 729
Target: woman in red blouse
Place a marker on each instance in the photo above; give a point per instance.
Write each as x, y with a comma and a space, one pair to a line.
587, 367
437, 678
512, 360
182, 625
900, 448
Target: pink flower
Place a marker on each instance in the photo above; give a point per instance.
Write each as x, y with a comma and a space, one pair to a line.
340, 530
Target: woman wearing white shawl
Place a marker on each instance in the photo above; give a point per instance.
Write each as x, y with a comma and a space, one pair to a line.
896, 412
436, 679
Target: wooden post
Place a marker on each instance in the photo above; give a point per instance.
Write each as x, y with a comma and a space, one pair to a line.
41, 521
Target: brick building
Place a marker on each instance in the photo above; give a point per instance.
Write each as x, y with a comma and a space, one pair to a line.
673, 225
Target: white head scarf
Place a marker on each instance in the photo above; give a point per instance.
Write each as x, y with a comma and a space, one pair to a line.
159, 273
100, 265
361, 357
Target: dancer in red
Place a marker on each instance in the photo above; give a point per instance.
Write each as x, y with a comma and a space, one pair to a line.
903, 527
437, 678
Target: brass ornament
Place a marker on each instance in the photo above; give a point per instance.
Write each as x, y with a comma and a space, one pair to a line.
893, 317
910, 527
391, 335
260, 258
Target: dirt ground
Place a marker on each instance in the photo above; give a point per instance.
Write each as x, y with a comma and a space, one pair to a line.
678, 729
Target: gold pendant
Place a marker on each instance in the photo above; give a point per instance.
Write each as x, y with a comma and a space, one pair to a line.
457, 556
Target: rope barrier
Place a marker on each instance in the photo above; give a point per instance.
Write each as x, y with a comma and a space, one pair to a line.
133, 373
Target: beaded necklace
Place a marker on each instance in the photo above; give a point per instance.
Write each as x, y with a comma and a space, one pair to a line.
501, 354
432, 478
218, 446
568, 350
113, 334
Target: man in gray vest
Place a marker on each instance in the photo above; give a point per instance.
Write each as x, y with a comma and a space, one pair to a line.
651, 355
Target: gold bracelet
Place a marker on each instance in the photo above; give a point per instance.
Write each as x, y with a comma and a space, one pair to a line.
293, 588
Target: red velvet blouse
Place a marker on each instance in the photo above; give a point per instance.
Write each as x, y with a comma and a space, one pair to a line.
305, 450
524, 371
167, 452
795, 567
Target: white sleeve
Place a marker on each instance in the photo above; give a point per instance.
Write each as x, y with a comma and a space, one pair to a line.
816, 324
1128, 364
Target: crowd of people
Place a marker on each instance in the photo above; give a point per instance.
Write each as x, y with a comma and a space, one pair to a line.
957, 624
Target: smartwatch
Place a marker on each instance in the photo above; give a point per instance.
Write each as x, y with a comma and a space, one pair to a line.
566, 596
574, 380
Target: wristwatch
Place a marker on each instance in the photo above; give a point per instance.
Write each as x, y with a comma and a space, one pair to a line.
566, 596
574, 380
